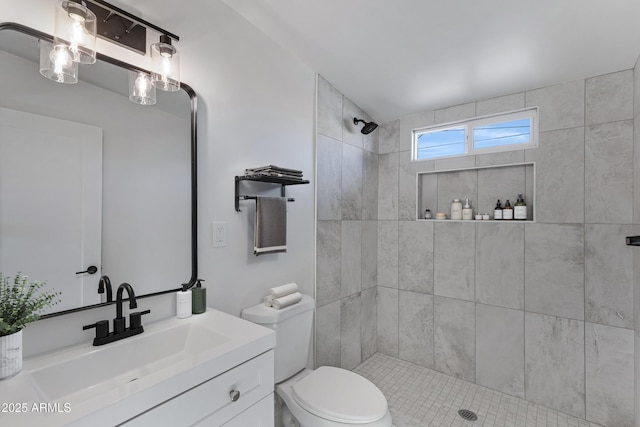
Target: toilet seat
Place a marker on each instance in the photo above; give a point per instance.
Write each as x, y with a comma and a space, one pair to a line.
339, 395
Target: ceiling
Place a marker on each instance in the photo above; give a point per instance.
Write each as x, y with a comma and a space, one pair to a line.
396, 57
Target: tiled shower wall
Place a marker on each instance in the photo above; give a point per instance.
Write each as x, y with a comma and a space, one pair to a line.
347, 232
636, 221
542, 311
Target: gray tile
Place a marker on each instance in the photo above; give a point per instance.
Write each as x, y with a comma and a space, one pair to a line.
372, 141
454, 260
416, 328
351, 257
609, 173
500, 104
560, 106
559, 176
500, 264
415, 241
388, 186
369, 316
456, 185
636, 169
390, 137
329, 170
500, 349
327, 340
455, 113
463, 162
454, 337
413, 121
388, 253
554, 363
608, 275
369, 254
503, 158
328, 262
636, 84
428, 193
407, 185
388, 321
554, 269
351, 182
609, 98
609, 375
369, 185
351, 132
504, 183
329, 110
636, 284
350, 332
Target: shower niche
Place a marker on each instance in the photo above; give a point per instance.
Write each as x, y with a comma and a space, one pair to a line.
483, 186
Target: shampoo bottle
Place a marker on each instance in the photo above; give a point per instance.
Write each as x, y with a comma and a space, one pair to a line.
467, 212
456, 209
183, 302
497, 212
199, 296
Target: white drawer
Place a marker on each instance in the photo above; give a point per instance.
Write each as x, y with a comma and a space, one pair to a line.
259, 415
211, 400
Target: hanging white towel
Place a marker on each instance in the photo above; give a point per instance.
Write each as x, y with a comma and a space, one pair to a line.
287, 300
280, 291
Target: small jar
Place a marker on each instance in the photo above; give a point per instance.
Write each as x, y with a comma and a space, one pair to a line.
456, 209
427, 214
485, 216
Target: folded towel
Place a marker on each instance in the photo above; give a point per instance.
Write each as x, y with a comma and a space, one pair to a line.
268, 301
287, 300
280, 291
270, 232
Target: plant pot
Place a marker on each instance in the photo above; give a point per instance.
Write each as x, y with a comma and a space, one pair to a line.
10, 355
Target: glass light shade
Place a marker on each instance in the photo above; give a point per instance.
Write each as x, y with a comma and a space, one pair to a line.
57, 64
165, 63
76, 31
141, 90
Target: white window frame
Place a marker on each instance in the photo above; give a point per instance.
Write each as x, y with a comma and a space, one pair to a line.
470, 124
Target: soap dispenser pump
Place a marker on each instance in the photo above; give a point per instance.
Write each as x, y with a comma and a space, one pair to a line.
183, 302
199, 298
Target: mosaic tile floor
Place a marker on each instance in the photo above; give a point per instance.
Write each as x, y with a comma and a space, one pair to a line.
422, 397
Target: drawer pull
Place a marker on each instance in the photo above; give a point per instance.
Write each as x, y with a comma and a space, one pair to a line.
234, 395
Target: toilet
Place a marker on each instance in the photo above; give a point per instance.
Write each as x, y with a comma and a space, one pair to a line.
325, 397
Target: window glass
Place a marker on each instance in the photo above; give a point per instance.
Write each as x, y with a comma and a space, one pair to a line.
441, 143
504, 133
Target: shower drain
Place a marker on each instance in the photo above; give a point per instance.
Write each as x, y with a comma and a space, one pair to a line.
467, 415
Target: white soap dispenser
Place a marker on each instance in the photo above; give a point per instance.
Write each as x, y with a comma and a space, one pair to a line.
467, 211
183, 302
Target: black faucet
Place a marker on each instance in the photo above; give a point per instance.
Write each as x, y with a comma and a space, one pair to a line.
105, 285
120, 330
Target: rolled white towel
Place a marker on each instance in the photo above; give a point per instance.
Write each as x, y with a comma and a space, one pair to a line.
268, 301
287, 300
280, 291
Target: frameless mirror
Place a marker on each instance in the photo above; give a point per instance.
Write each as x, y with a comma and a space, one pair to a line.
90, 179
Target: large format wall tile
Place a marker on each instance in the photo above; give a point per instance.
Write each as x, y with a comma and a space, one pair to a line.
328, 262
329, 110
500, 104
351, 182
559, 176
609, 373
350, 332
609, 98
416, 328
388, 321
369, 254
554, 363
388, 186
608, 275
554, 269
456, 185
407, 186
369, 185
502, 184
454, 338
350, 131
351, 257
389, 137
500, 349
388, 253
371, 142
500, 264
328, 346
329, 170
454, 260
502, 158
455, 113
369, 320
609, 173
415, 241
560, 106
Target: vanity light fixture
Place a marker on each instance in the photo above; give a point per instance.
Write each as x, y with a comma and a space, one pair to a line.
165, 65
57, 63
141, 89
75, 31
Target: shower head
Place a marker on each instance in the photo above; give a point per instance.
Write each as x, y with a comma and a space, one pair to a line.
368, 126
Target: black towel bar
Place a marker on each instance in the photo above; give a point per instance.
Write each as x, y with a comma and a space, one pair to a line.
273, 180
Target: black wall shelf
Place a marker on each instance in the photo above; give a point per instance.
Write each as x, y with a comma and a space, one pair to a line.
282, 181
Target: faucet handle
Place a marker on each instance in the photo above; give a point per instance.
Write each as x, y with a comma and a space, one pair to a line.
102, 328
135, 319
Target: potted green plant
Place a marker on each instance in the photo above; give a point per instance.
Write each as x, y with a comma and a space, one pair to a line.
21, 302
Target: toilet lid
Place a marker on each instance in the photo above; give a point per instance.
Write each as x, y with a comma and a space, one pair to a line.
340, 395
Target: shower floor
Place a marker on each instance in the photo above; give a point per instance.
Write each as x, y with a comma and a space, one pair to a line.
422, 397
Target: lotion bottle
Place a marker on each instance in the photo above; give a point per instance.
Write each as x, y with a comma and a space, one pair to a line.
467, 212
183, 302
497, 212
456, 209
520, 209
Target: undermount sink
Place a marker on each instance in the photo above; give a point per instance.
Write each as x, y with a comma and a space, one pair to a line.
89, 374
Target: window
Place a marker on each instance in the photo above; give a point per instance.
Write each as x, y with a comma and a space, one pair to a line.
504, 132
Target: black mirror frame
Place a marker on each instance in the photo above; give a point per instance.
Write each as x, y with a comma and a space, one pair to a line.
194, 165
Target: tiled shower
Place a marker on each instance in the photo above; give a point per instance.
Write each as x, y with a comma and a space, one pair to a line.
540, 310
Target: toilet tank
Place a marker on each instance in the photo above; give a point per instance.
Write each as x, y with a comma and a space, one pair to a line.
293, 326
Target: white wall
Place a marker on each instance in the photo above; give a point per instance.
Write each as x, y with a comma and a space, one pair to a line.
256, 107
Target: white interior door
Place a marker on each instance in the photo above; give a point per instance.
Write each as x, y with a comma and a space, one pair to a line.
51, 203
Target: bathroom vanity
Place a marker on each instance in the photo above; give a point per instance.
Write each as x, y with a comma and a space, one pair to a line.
211, 369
